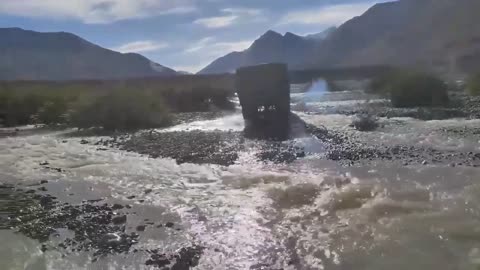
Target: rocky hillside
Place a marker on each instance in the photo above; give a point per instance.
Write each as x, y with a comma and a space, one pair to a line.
28, 55
269, 48
439, 35
322, 35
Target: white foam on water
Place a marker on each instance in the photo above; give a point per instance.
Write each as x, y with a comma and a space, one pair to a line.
232, 122
303, 215
231, 199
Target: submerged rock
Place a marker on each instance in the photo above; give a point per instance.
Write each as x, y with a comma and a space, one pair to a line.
119, 219
117, 206
185, 259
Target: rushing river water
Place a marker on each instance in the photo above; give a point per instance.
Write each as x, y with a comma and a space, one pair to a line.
311, 214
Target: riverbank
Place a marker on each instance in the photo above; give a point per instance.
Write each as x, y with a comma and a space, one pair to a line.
461, 105
224, 147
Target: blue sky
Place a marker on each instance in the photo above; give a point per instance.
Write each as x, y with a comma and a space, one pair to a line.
182, 34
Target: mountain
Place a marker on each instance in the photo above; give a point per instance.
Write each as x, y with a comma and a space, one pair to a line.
270, 47
181, 72
29, 55
322, 35
437, 35
442, 36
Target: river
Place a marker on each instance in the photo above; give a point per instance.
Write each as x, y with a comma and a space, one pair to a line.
310, 214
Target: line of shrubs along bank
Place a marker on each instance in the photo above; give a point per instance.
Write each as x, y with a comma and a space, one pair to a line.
111, 106
418, 89
142, 105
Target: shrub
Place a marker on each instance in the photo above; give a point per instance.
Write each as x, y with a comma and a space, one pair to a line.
419, 90
411, 89
198, 99
53, 111
24, 107
132, 103
473, 85
121, 110
365, 122
382, 84
17, 109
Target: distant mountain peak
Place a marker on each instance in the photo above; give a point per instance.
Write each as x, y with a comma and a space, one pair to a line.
291, 37
268, 48
290, 34
270, 35
30, 55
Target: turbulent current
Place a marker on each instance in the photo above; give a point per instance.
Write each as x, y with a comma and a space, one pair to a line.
309, 214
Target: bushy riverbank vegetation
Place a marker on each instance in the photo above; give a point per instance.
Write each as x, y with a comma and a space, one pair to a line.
473, 85
411, 89
111, 105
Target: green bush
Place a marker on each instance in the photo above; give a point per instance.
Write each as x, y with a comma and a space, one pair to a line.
382, 84
198, 99
120, 110
473, 85
32, 107
113, 105
18, 109
52, 112
411, 89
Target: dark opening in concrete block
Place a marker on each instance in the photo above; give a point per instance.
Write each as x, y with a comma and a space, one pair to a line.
264, 93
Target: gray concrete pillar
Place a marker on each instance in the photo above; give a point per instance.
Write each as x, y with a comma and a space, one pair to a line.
264, 93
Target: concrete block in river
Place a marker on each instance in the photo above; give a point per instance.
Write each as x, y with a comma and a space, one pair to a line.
264, 93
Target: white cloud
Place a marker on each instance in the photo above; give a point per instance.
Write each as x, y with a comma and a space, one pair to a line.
199, 45
326, 16
179, 10
243, 11
209, 47
191, 68
141, 46
217, 22
232, 15
95, 11
226, 47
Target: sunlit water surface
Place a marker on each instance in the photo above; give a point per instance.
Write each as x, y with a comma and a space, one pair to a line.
312, 214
